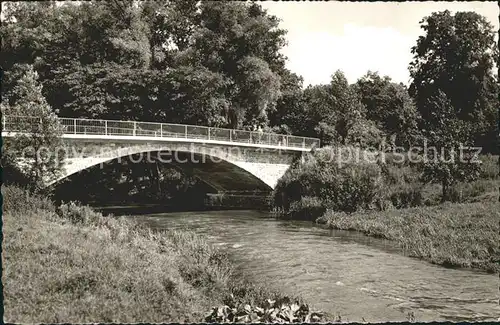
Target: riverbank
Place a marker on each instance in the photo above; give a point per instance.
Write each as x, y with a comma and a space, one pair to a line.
389, 200
454, 235
71, 264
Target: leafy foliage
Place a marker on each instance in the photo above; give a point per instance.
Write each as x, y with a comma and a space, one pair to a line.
321, 182
183, 95
390, 107
272, 311
35, 146
219, 62
336, 115
456, 56
290, 115
446, 162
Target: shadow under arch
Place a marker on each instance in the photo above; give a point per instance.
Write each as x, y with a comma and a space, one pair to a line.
217, 172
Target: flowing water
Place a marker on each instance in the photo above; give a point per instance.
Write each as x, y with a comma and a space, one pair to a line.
343, 273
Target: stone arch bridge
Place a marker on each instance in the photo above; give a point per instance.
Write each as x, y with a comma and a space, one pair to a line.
225, 159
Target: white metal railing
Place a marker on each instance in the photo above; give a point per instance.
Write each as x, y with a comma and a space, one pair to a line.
161, 130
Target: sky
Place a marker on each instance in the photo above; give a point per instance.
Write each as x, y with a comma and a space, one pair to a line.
356, 37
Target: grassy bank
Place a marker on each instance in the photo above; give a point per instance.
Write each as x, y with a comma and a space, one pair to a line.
462, 235
386, 199
71, 264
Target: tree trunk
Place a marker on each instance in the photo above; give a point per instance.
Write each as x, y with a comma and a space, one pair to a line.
153, 57
157, 178
445, 190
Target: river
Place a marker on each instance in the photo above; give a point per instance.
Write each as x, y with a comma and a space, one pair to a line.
340, 272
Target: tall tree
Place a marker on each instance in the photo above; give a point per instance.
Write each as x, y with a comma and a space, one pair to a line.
335, 114
348, 106
456, 56
389, 105
171, 28
38, 140
26, 31
289, 115
447, 159
233, 45
242, 42
318, 109
191, 95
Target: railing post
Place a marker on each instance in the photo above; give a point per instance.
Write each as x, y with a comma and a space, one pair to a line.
230, 135
106, 127
304, 143
74, 125
161, 130
135, 127
208, 133
3, 122
186, 131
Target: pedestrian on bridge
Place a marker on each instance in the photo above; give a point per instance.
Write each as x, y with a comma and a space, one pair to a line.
261, 133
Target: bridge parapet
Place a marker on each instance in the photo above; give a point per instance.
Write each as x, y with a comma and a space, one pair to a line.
154, 130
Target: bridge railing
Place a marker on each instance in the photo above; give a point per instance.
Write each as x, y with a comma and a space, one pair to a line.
162, 130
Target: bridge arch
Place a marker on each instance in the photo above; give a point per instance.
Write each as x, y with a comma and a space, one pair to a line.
221, 168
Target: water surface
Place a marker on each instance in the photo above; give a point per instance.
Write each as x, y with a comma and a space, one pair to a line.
343, 273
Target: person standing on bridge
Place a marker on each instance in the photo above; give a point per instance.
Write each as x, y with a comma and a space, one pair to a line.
261, 132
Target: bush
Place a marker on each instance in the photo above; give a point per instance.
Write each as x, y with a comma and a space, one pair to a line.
352, 188
403, 188
78, 214
19, 200
406, 195
272, 311
489, 167
308, 208
320, 182
394, 174
12, 174
467, 192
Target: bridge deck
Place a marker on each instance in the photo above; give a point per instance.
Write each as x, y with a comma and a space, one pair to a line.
132, 130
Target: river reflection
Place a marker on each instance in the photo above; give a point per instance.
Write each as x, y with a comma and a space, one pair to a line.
343, 273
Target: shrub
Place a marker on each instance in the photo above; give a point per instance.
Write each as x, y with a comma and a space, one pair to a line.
403, 188
308, 208
489, 167
272, 311
12, 173
78, 214
395, 174
320, 182
19, 200
352, 188
405, 195
466, 192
